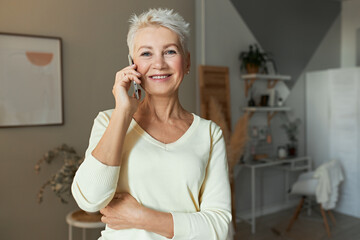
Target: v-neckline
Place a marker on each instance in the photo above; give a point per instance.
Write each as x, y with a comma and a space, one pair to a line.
180, 140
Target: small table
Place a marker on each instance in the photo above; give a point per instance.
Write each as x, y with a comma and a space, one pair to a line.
81, 219
292, 164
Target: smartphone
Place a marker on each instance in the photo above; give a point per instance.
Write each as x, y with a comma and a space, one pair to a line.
136, 88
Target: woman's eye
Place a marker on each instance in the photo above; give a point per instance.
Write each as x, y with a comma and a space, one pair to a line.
170, 52
145, 54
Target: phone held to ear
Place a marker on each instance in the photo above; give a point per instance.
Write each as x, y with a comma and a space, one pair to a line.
136, 88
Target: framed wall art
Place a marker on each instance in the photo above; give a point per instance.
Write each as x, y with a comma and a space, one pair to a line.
31, 91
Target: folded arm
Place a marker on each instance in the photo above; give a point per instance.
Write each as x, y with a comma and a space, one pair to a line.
211, 222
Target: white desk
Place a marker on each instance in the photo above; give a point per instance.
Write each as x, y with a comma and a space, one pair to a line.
293, 164
93, 222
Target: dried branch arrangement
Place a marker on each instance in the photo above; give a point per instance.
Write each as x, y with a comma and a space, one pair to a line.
61, 181
235, 141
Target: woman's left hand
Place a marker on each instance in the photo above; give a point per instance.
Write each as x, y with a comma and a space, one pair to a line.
122, 212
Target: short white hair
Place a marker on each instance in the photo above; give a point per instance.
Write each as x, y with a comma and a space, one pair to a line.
159, 17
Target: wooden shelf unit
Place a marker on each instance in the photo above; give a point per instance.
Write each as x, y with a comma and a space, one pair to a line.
271, 111
272, 80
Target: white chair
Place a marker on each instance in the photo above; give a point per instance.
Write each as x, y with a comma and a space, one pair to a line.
323, 184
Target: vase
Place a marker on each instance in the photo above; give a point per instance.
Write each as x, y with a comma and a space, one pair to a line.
252, 68
292, 150
282, 152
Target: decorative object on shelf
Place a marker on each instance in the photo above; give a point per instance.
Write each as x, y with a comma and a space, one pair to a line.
251, 102
282, 92
292, 129
254, 132
282, 152
264, 100
292, 150
61, 181
271, 67
254, 61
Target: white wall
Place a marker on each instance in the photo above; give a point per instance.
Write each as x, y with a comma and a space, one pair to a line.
350, 23
333, 120
326, 56
226, 36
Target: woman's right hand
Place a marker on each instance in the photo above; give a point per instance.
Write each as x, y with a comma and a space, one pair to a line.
123, 81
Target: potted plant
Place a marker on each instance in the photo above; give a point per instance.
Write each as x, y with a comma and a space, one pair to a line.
61, 181
292, 130
254, 61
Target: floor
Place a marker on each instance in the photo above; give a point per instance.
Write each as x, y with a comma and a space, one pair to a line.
305, 228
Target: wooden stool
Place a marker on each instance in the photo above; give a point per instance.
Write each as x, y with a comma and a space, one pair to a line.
81, 219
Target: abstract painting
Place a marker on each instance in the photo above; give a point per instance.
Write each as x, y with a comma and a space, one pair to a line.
30, 80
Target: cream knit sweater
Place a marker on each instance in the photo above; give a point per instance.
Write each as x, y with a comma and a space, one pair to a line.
188, 178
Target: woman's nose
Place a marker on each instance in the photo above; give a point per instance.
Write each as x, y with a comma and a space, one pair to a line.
159, 62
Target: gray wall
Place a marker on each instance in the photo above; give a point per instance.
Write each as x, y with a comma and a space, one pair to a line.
290, 30
94, 48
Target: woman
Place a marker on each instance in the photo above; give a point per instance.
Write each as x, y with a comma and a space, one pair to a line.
154, 170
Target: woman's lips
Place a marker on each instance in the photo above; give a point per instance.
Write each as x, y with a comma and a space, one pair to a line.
160, 77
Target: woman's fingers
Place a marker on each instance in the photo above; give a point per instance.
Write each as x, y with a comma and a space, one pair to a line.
131, 70
119, 195
127, 76
110, 222
103, 211
123, 81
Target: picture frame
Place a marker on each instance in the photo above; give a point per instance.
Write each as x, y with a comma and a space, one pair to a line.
31, 84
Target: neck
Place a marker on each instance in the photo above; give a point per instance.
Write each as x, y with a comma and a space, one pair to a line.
161, 108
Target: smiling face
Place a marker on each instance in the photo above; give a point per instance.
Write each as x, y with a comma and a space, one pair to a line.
160, 60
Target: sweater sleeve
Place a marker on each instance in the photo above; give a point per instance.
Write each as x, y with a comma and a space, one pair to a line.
95, 183
212, 221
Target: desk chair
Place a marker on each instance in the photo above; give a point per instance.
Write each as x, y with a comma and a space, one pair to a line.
323, 184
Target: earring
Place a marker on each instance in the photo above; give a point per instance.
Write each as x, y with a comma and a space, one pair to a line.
188, 72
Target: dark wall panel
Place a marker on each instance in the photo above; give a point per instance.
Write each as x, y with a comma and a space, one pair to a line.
290, 30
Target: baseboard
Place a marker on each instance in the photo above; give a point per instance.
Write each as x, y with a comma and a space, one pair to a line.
262, 211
